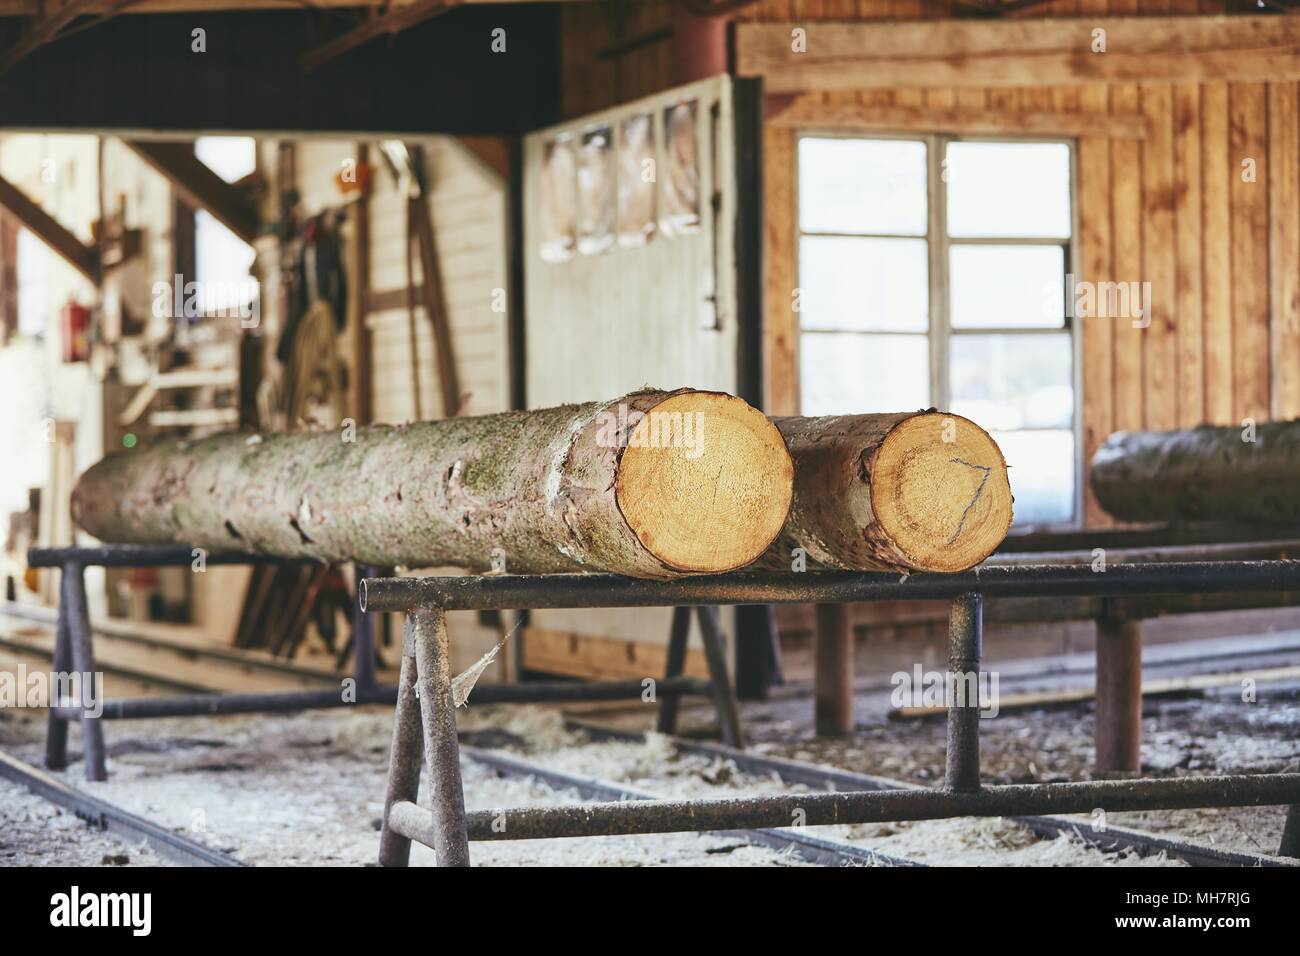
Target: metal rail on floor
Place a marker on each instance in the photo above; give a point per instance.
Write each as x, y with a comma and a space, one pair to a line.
104, 816
74, 652
425, 724
808, 848
1111, 839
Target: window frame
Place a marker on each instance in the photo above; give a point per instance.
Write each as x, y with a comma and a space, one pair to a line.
939, 244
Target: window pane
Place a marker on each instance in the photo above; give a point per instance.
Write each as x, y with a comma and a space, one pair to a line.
847, 373
1008, 189
1017, 287
35, 284
230, 157
1005, 382
862, 185
874, 285
220, 256
1041, 466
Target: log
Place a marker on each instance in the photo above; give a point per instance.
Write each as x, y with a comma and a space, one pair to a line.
913, 491
654, 485
1201, 474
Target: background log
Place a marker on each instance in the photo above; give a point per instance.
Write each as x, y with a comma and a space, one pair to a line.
1249, 473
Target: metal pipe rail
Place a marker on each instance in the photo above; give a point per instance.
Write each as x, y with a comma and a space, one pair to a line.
74, 650
820, 778
832, 587
448, 829
139, 556
623, 817
812, 849
269, 702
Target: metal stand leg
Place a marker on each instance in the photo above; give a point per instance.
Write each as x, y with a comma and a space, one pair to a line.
404, 755
73, 598
1290, 845
441, 748
965, 645
363, 640
1118, 729
723, 698
676, 664
56, 733
833, 672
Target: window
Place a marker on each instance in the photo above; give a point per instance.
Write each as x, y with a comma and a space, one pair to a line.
932, 271
220, 257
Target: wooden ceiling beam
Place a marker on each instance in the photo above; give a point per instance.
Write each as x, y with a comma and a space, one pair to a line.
81, 256
34, 8
492, 151
58, 24
392, 22
200, 186
811, 112
45, 29
1020, 52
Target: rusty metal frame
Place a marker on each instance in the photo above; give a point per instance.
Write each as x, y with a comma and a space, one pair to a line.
424, 725
819, 777
74, 651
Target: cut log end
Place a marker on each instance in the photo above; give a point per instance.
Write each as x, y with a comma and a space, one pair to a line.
705, 482
940, 493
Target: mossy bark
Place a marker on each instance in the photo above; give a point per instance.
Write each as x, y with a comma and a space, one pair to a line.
534, 489
1201, 474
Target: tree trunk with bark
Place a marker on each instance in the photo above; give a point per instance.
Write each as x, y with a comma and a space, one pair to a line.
655, 484
1209, 473
913, 491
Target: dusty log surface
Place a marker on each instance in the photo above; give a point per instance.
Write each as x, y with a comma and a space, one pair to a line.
913, 491
1208, 473
553, 490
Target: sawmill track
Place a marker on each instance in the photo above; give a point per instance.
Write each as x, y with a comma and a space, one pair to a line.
811, 849
219, 669
830, 778
101, 815
38, 651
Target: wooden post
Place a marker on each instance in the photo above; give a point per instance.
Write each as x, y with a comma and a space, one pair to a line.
699, 46
757, 650
361, 340
833, 678
1118, 731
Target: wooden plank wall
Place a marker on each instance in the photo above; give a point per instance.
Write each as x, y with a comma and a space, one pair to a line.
594, 78
1179, 209
468, 205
